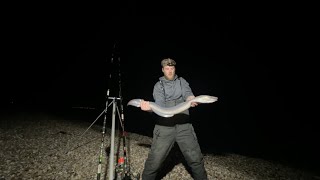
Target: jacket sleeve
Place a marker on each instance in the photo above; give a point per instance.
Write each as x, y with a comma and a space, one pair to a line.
186, 90
158, 94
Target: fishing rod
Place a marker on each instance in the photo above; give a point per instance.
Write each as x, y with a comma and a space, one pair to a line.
121, 170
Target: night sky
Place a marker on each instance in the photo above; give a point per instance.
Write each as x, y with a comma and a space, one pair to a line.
59, 57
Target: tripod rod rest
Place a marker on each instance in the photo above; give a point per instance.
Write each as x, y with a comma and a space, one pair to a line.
117, 98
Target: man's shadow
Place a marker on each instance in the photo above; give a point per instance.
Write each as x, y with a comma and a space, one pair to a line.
174, 157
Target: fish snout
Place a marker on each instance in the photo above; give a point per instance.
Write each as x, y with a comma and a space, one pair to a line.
211, 99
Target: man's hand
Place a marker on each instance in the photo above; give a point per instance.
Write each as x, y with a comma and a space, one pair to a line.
145, 105
193, 104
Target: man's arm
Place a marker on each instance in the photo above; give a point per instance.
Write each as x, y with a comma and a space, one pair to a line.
193, 104
158, 96
188, 91
145, 106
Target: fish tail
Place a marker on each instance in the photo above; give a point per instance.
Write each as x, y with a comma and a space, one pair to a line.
134, 102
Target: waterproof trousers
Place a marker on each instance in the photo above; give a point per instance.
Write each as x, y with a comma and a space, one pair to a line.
164, 138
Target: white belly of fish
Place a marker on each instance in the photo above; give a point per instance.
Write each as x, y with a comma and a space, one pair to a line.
171, 111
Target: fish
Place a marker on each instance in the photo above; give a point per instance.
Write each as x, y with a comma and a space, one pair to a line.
171, 111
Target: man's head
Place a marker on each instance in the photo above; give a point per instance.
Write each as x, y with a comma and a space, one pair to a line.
168, 68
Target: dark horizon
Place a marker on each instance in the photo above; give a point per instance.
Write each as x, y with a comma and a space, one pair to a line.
60, 62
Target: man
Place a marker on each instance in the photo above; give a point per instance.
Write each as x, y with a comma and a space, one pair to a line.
168, 92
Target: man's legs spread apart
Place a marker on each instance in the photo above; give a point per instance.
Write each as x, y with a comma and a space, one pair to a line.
189, 146
163, 140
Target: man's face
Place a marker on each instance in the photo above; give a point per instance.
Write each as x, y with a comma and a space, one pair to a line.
169, 72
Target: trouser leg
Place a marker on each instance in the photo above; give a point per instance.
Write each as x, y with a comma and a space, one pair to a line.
163, 140
190, 148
